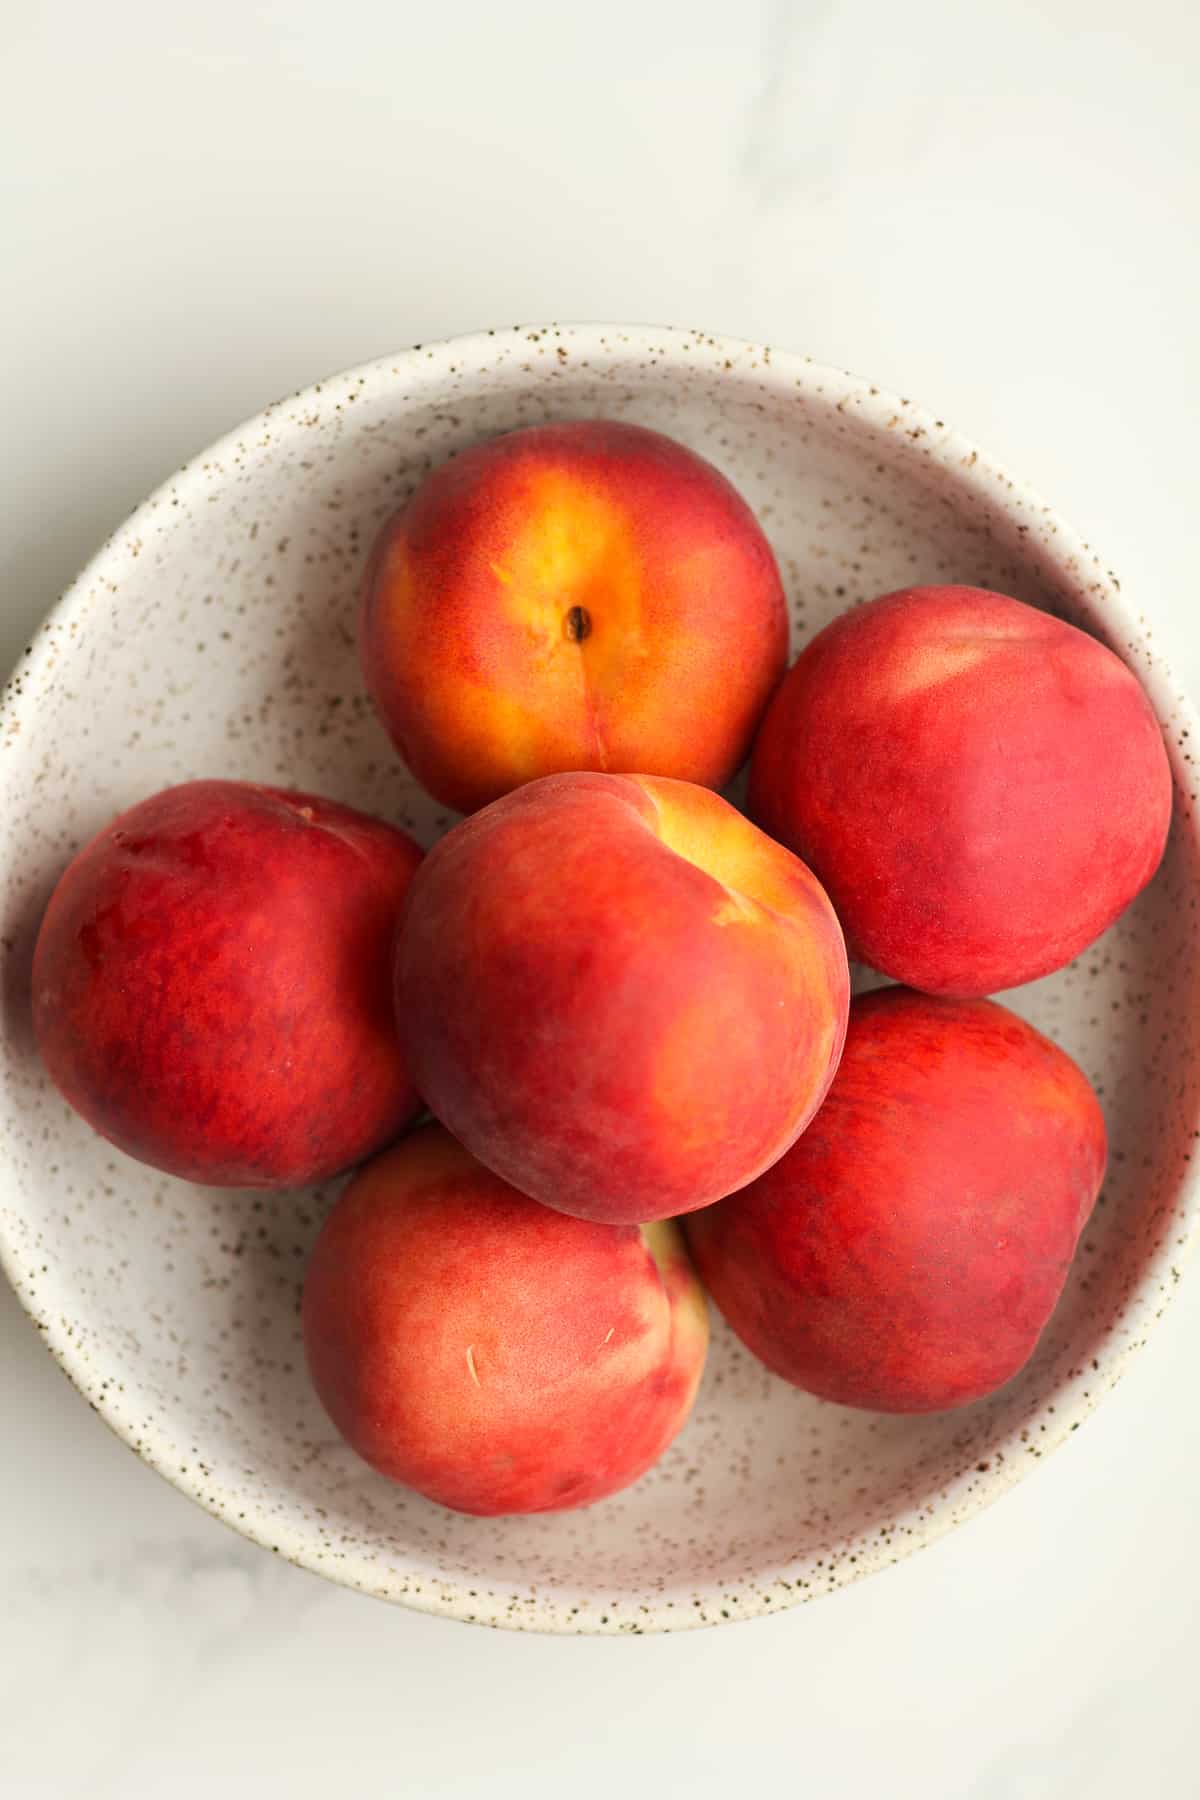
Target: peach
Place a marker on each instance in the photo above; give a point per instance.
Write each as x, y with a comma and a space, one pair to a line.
981, 787
212, 984
588, 595
907, 1252
495, 1355
619, 994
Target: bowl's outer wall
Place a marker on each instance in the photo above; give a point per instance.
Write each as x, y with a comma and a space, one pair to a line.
214, 635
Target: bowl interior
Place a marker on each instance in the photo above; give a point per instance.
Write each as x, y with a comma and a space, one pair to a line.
214, 635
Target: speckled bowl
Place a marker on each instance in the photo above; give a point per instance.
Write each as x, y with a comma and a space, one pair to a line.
213, 635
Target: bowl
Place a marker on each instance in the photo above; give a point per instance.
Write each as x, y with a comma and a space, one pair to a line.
213, 634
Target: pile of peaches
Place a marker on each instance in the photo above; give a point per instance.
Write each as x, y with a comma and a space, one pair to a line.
626, 1004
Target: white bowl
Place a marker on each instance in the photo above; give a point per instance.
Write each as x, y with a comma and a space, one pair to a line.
213, 635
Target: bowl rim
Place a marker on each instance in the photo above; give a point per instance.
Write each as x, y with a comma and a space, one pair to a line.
782, 372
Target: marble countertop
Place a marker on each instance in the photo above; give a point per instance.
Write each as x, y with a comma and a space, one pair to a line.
991, 211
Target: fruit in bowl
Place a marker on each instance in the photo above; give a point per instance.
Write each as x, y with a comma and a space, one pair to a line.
770, 1495
982, 787
212, 984
619, 994
581, 595
906, 1254
492, 1353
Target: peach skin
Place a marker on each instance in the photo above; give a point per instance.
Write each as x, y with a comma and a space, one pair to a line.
212, 984
495, 1355
619, 994
982, 788
588, 595
906, 1254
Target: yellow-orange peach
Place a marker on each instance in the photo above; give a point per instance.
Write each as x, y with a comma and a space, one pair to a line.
495, 1355
586, 595
619, 994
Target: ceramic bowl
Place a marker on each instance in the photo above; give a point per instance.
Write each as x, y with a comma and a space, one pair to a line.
214, 635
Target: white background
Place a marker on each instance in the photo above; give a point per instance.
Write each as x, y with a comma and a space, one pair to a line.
993, 210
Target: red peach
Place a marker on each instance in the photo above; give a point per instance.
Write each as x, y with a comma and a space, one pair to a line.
588, 595
619, 994
982, 788
495, 1355
212, 984
907, 1252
